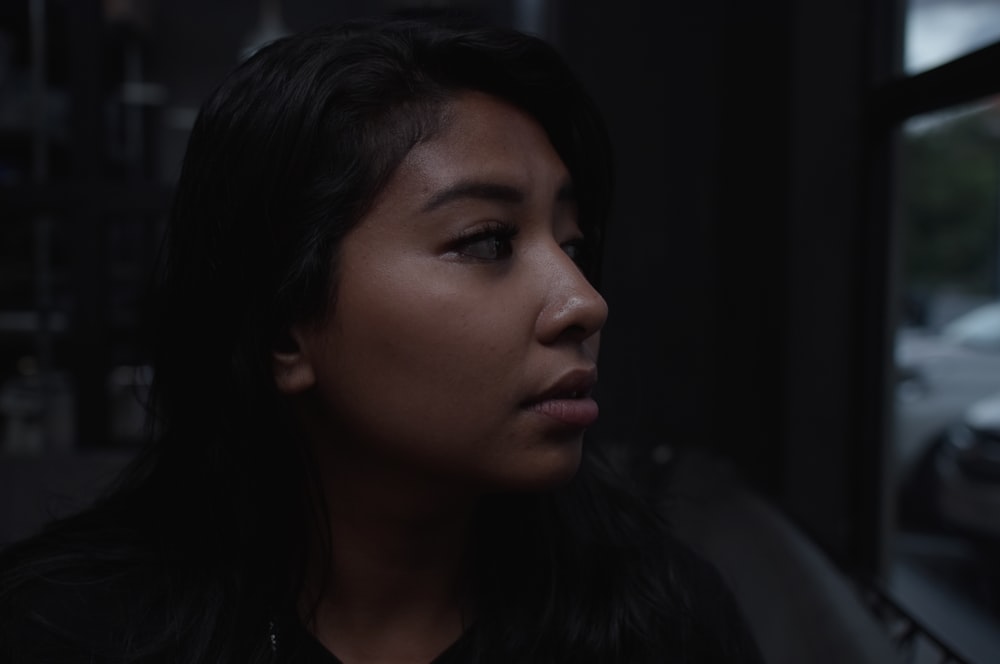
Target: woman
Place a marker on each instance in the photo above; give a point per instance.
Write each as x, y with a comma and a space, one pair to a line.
377, 346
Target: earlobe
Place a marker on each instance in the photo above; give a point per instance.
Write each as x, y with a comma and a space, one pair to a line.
290, 364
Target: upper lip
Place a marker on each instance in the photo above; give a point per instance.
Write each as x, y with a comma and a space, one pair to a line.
573, 384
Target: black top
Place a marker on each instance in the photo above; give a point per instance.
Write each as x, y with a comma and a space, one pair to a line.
63, 621
293, 644
590, 584
66, 621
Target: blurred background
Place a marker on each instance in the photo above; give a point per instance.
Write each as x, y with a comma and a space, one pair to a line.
803, 271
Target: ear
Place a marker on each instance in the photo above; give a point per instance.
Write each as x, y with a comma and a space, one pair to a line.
290, 362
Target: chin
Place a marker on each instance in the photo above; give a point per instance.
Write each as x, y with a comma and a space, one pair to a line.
554, 470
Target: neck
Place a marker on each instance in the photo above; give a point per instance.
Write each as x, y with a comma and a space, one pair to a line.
392, 585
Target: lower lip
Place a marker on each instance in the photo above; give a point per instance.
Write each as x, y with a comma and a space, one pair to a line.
571, 412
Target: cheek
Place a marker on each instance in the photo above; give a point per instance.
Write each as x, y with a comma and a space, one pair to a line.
422, 354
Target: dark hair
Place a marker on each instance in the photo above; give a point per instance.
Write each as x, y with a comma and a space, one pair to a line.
285, 158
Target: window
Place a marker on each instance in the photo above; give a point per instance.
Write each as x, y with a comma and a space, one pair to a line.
947, 412
941, 30
945, 449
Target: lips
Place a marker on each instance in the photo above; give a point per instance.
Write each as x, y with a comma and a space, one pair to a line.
567, 401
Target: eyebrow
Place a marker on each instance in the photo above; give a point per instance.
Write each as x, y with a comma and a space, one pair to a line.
488, 191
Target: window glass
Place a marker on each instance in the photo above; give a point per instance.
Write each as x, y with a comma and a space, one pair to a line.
947, 406
941, 30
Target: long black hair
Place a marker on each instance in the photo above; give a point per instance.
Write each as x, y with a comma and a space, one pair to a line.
211, 525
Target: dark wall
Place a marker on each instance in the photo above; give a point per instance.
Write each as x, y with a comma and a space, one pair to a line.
656, 73
696, 95
747, 262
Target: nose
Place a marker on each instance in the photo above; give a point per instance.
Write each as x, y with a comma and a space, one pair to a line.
573, 310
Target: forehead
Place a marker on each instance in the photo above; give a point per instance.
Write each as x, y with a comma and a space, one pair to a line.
483, 138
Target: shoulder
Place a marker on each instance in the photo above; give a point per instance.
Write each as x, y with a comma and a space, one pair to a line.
81, 592
56, 619
60, 606
714, 628
592, 573
102, 588
676, 600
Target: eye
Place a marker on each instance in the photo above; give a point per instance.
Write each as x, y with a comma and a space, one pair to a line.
492, 243
579, 251
574, 249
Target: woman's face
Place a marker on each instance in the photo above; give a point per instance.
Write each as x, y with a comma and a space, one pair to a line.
462, 342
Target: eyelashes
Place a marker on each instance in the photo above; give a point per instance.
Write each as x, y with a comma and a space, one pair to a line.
494, 242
